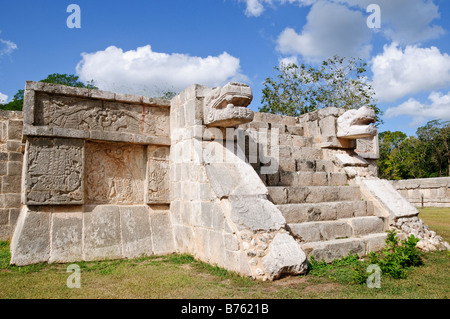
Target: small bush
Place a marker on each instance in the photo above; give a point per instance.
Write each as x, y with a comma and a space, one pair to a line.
394, 261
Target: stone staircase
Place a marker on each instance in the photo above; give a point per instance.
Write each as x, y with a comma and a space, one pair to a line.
326, 215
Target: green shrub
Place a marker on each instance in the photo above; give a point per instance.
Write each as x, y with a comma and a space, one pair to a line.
394, 261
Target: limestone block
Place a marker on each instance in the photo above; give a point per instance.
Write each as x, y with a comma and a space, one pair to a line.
288, 178
305, 165
307, 153
15, 130
30, 243
368, 147
163, 233
338, 179
255, 213
331, 230
54, 171
88, 114
366, 225
329, 112
354, 124
158, 175
375, 242
344, 160
216, 249
135, 231
115, 173
334, 142
295, 130
305, 232
285, 257
4, 216
389, 198
14, 168
67, 237
227, 106
328, 126
333, 249
320, 179
11, 184
234, 176
102, 233
218, 218
278, 195
14, 146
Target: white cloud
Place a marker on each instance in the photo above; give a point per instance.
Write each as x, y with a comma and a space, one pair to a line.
330, 29
3, 98
7, 47
439, 108
398, 73
256, 7
288, 60
403, 21
143, 71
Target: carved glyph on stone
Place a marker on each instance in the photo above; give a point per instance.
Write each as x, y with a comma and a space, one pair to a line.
355, 124
115, 173
96, 115
54, 171
227, 106
158, 175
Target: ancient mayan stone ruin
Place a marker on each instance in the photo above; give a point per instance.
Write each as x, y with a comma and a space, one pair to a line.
92, 175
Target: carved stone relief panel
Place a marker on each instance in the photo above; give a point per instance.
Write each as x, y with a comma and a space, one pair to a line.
115, 173
97, 115
158, 191
54, 171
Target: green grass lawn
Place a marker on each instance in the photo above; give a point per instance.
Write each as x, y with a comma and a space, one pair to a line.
183, 277
438, 219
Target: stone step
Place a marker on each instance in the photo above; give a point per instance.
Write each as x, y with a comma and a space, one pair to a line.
312, 194
297, 141
309, 212
336, 229
307, 165
306, 179
337, 248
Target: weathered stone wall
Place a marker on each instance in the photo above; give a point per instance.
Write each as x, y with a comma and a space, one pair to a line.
96, 176
425, 192
11, 158
220, 211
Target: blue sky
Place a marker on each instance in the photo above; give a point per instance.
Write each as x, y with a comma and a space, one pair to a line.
145, 47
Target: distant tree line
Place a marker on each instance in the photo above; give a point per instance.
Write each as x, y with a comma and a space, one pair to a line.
16, 104
425, 155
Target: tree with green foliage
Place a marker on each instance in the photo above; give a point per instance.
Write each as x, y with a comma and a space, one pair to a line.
427, 155
337, 82
389, 163
16, 104
436, 137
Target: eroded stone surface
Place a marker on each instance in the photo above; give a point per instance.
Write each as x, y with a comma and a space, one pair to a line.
354, 124
285, 257
158, 175
54, 171
115, 173
227, 106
